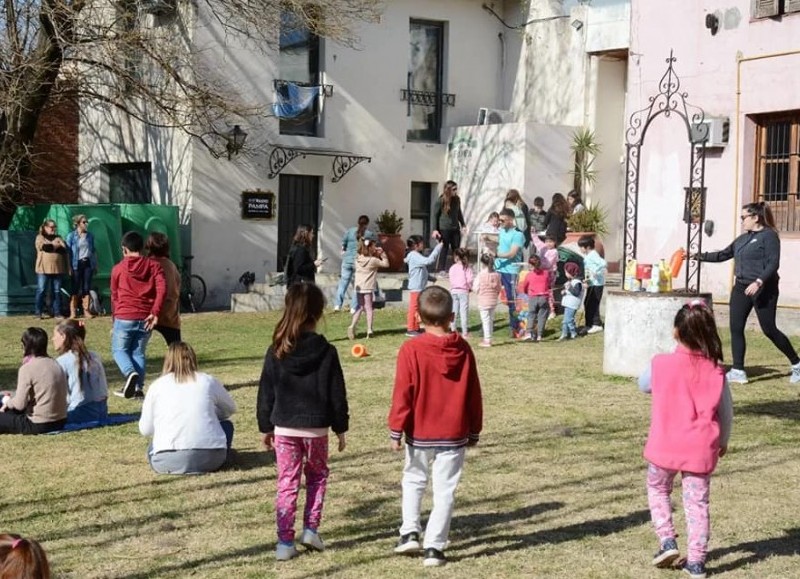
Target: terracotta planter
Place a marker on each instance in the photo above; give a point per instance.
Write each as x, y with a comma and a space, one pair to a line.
574, 236
395, 249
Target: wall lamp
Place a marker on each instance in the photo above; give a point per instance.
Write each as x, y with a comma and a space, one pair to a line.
712, 23
577, 24
236, 138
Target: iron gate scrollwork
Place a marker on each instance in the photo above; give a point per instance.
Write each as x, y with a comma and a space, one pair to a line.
669, 100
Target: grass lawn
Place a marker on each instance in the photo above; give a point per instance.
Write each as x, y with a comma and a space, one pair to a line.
555, 488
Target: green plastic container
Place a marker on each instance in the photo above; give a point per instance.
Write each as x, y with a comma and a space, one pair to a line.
147, 219
17, 275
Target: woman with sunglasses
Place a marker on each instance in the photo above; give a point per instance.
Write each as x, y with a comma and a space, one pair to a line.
50, 266
449, 222
83, 265
756, 257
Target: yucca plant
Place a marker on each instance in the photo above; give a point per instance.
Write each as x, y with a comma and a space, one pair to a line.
585, 149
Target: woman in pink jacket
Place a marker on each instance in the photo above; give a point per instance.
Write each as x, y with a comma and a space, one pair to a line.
690, 424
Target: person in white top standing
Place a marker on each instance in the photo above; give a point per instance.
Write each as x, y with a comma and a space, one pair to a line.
187, 413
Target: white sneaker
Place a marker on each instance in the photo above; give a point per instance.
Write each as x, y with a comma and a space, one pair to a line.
311, 540
337, 308
795, 377
285, 551
594, 330
737, 376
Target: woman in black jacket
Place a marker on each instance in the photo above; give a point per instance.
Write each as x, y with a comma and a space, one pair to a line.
756, 257
448, 221
555, 221
300, 265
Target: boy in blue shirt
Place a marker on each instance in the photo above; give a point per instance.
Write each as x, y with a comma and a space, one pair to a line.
595, 268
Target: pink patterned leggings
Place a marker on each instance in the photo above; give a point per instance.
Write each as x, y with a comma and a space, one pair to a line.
696, 489
289, 454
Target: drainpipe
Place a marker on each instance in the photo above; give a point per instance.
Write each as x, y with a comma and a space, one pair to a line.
739, 60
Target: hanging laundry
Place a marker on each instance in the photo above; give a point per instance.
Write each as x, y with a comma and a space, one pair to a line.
294, 100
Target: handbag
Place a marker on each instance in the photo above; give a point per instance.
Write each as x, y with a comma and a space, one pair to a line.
282, 278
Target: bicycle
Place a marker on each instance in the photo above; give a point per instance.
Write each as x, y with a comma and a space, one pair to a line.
193, 287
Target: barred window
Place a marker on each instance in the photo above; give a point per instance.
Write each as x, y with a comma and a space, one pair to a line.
778, 167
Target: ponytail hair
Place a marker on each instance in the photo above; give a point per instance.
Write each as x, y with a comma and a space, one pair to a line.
304, 304
697, 330
22, 558
762, 213
488, 261
462, 256
74, 341
413, 241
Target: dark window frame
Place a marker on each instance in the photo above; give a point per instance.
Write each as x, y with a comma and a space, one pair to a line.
433, 134
309, 125
777, 167
112, 171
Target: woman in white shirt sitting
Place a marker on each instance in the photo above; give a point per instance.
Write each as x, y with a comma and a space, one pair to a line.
186, 412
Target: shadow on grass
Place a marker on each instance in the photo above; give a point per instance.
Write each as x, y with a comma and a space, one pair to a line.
787, 546
762, 374
484, 521
785, 409
240, 460
238, 385
216, 560
493, 544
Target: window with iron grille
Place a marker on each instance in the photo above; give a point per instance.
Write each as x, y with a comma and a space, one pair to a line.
778, 167
773, 8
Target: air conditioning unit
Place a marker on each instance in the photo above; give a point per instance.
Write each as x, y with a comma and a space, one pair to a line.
487, 116
715, 131
158, 7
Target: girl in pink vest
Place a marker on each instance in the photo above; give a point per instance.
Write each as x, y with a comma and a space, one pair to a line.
690, 423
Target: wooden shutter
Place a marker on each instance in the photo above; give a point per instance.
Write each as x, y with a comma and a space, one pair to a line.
791, 6
764, 8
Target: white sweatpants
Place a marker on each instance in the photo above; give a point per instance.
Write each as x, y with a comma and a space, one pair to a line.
461, 310
487, 321
446, 467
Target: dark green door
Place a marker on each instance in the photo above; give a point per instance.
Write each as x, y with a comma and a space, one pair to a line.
298, 204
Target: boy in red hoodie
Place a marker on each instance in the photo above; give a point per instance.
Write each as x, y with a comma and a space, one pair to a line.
138, 287
437, 405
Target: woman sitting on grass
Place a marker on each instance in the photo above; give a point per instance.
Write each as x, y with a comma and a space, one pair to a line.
39, 404
86, 377
187, 413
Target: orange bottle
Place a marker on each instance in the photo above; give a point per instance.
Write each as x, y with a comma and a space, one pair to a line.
676, 262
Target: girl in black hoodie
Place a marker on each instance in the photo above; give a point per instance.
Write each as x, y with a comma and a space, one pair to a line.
301, 394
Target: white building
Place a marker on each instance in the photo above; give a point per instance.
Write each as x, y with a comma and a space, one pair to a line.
381, 138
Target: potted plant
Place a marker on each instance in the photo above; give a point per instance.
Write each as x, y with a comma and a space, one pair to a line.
593, 220
389, 227
584, 149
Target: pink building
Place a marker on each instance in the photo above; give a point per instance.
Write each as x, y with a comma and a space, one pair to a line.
738, 60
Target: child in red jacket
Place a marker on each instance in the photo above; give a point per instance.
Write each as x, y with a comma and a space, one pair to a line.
437, 405
690, 424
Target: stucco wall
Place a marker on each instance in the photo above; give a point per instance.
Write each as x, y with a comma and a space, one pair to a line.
365, 116
707, 67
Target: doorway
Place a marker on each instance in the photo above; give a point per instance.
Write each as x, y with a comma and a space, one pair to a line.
298, 204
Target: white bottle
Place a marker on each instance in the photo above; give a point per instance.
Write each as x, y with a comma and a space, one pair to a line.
655, 277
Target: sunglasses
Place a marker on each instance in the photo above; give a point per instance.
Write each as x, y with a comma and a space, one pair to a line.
743, 217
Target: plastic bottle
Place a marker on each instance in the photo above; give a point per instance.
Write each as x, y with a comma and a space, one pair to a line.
665, 277
630, 276
676, 262
655, 277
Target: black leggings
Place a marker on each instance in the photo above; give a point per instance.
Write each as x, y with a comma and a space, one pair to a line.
765, 303
452, 239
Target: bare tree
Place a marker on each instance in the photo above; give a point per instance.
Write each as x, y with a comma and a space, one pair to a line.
138, 57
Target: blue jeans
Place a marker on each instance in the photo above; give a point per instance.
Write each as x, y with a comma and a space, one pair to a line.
43, 280
509, 281
346, 280
82, 278
568, 324
128, 345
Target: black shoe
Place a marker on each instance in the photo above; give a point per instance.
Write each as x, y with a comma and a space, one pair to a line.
667, 554
434, 558
139, 394
695, 570
129, 389
408, 544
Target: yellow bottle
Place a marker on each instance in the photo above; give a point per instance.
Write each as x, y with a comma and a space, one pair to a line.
629, 283
664, 277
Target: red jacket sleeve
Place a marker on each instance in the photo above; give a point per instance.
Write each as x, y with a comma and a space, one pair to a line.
114, 288
475, 402
402, 396
161, 286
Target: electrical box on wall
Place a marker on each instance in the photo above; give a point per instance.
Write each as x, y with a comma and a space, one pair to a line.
714, 130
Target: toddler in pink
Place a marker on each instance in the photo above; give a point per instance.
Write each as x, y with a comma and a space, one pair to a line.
460, 276
549, 256
536, 286
487, 286
690, 424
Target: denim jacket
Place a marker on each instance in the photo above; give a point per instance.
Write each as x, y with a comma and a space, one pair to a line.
72, 246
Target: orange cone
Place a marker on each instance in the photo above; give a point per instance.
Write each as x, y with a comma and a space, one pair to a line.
359, 351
